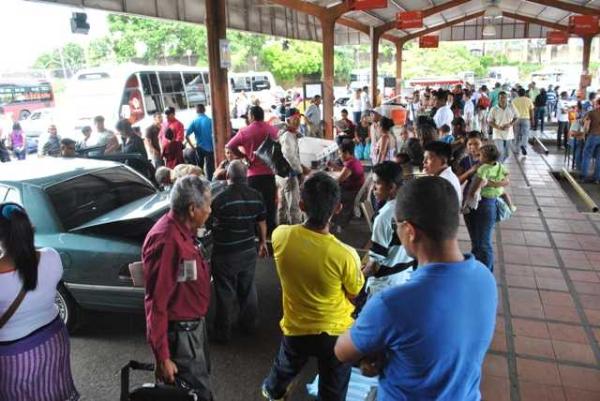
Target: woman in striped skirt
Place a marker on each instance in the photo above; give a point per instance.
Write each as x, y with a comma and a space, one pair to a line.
34, 343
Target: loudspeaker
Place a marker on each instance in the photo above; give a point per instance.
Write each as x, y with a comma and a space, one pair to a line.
79, 23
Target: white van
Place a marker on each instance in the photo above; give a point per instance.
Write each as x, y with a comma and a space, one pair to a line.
135, 92
260, 84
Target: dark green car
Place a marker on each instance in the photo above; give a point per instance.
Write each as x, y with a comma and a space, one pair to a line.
96, 215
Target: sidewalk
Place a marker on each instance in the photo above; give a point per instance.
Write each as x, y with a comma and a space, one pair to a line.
546, 345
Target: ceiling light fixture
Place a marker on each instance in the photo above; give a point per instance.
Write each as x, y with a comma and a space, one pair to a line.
489, 30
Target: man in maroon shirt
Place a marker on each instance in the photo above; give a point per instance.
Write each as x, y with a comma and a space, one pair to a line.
175, 125
178, 289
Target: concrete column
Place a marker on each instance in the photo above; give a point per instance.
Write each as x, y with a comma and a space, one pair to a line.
374, 59
219, 88
328, 29
399, 48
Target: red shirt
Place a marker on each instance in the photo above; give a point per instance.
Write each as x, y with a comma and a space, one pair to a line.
167, 246
172, 153
357, 175
250, 138
177, 128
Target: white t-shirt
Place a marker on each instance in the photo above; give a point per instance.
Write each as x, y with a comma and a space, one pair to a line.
562, 116
449, 175
38, 308
501, 117
469, 111
365, 104
355, 104
443, 116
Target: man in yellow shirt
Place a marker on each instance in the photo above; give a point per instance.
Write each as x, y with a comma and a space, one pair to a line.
524, 108
319, 275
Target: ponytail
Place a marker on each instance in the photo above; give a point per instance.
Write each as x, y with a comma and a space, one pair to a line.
16, 235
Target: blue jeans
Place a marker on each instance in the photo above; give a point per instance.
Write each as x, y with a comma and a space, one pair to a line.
577, 146
539, 116
480, 224
591, 146
356, 115
503, 146
293, 354
522, 130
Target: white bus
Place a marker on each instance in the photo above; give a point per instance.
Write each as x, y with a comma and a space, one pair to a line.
135, 92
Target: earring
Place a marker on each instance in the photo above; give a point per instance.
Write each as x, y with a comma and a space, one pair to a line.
2, 250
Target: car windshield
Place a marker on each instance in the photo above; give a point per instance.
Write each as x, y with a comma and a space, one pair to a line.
84, 198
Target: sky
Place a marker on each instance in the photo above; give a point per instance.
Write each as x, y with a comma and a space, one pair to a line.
29, 28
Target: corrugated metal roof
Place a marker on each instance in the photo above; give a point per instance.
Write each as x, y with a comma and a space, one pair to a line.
270, 17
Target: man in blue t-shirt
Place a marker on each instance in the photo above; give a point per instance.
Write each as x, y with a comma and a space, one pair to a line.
201, 127
433, 331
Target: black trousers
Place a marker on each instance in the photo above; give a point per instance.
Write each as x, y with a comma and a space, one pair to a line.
265, 184
188, 345
293, 354
561, 133
233, 275
209, 158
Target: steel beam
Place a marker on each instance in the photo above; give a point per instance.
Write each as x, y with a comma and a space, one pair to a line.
426, 13
439, 27
537, 21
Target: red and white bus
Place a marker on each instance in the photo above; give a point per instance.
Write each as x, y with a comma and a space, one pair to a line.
19, 98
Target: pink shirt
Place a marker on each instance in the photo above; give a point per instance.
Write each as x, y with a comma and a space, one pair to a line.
250, 138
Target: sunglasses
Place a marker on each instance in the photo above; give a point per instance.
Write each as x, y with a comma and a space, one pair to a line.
7, 209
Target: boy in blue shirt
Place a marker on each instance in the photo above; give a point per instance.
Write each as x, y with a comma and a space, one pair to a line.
434, 330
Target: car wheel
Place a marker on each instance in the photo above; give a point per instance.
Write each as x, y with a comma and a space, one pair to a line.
24, 114
68, 310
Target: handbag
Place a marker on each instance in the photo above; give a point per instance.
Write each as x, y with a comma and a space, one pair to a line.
13, 307
270, 153
152, 392
503, 212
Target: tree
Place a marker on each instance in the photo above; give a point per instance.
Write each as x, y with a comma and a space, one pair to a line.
161, 39
69, 58
99, 50
300, 59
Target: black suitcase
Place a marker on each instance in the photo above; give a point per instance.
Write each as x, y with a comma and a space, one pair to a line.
151, 391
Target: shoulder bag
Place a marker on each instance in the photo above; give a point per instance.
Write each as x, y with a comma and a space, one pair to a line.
13, 307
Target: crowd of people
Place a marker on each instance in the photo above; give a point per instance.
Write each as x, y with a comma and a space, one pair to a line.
446, 160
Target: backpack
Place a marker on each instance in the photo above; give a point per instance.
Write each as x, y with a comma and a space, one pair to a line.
484, 102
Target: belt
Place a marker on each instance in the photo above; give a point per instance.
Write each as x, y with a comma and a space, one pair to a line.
184, 325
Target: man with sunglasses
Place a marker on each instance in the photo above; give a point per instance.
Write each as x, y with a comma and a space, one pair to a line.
436, 328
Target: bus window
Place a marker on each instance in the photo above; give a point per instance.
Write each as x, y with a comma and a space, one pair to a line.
151, 92
6, 94
239, 84
132, 106
194, 88
172, 90
260, 83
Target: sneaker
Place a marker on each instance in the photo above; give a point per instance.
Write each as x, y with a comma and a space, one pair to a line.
523, 151
267, 396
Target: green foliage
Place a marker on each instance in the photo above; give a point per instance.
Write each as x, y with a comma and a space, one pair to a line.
99, 51
244, 48
73, 56
160, 38
301, 58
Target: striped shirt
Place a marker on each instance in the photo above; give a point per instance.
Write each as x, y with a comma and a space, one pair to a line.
235, 213
395, 265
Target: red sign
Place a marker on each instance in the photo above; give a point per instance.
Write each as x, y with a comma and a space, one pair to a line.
584, 24
409, 19
557, 38
429, 41
367, 4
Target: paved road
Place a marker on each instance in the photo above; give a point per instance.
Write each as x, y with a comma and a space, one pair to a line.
108, 341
